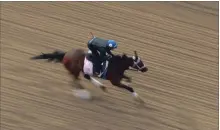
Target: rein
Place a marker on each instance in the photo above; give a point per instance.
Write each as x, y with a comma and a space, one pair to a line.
136, 65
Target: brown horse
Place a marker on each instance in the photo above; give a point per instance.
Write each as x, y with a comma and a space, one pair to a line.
76, 60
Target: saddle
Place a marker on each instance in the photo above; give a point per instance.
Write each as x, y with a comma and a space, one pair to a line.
89, 56
99, 69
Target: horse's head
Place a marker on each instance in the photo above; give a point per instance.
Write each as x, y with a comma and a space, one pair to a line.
138, 63
135, 62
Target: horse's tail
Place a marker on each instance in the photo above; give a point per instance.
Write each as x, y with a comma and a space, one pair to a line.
56, 56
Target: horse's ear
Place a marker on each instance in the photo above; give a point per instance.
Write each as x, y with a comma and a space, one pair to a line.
135, 54
124, 56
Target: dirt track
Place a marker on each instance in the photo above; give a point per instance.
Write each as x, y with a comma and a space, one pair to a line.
177, 41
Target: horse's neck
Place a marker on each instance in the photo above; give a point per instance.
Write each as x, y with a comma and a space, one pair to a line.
119, 64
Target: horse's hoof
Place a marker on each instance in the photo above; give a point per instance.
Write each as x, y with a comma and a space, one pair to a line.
83, 94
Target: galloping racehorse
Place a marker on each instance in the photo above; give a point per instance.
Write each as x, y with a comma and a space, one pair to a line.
77, 60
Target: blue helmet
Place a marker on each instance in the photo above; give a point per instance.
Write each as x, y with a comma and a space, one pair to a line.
112, 44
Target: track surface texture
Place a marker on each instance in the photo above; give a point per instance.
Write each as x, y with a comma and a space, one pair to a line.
177, 40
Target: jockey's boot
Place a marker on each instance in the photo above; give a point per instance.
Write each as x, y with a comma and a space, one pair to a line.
103, 66
97, 68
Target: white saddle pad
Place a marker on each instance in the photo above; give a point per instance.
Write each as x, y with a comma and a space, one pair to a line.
88, 67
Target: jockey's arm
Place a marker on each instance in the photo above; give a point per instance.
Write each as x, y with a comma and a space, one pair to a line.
109, 51
103, 56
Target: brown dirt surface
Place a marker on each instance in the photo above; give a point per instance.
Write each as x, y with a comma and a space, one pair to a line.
177, 40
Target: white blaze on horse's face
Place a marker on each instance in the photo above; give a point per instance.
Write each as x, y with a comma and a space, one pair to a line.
138, 64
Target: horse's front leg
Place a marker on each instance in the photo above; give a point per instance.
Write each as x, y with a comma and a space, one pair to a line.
128, 79
95, 82
130, 89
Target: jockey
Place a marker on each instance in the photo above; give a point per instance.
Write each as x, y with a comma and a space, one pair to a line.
102, 46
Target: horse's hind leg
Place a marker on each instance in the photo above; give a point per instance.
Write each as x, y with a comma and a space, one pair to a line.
76, 84
78, 90
76, 81
95, 82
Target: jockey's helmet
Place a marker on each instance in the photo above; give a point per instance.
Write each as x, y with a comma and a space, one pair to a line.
112, 44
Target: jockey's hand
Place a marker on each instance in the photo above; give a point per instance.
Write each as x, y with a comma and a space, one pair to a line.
109, 56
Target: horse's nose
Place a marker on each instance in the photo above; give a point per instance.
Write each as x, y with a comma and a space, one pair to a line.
145, 69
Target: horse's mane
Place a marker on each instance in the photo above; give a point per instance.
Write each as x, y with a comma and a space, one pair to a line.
119, 57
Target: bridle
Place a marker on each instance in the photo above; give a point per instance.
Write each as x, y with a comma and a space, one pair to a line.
135, 64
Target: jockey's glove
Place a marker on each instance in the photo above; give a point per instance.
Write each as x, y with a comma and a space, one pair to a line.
109, 56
